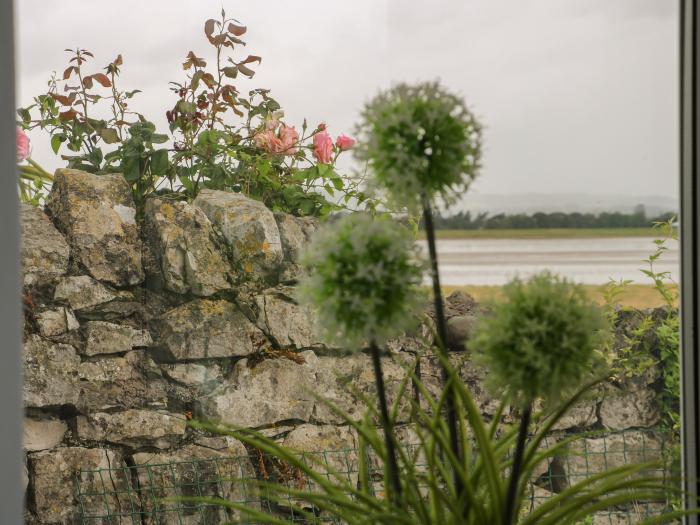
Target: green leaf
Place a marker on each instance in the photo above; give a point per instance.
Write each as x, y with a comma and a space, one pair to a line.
159, 138
56, 142
186, 107
109, 135
337, 182
159, 162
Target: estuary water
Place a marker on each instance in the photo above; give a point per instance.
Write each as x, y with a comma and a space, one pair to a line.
589, 261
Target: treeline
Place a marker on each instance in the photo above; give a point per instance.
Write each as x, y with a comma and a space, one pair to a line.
502, 221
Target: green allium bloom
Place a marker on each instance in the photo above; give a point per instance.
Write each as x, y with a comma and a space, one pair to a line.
421, 142
541, 341
362, 280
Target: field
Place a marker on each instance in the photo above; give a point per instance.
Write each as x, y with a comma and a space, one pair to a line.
635, 295
553, 233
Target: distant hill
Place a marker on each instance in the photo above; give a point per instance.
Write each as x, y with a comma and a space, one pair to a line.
563, 202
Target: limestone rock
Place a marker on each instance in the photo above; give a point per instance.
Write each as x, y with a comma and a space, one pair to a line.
56, 321
459, 329
45, 253
205, 328
247, 225
287, 323
82, 291
54, 475
203, 377
108, 338
195, 471
628, 409
459, 303
98, 216
581, 415
590, 456
337, 377
295, 232
472, 375
182, 240
332, 449
269, 392
129, 381
42, 434
50, 373
134, 428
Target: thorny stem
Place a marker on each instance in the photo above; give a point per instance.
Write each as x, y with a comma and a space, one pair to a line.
517, 467
391, 462
442, 341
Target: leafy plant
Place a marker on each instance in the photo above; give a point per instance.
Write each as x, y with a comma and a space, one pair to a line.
422, 143
220, 138
428, 493
362, 282
550, 329
655, 340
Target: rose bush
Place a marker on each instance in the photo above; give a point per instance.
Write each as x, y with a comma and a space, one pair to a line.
220, 137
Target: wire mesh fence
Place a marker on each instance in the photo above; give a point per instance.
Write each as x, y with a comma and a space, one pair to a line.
156, 493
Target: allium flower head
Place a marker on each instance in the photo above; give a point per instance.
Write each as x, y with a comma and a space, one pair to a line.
362, 279
540, 341
420, 141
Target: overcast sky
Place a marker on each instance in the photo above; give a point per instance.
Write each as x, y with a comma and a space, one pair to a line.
575, 95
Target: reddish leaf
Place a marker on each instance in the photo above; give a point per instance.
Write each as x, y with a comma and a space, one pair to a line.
87, 82
236, 30
193, 60
251, 58
102, 79
86, 52
67, 115
209, 26
217, 40
66, 101
246, 70
67, 72
236, 40
208, 79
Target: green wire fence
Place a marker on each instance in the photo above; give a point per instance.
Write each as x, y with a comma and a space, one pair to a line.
152, 493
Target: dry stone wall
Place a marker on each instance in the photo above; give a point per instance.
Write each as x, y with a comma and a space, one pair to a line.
136, 320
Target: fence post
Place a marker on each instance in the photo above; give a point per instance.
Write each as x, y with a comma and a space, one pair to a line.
690, 248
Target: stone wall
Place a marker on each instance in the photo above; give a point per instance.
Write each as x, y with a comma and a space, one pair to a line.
136, 321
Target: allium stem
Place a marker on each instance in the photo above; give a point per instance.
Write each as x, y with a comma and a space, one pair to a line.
517, 467
442, 339
391, 462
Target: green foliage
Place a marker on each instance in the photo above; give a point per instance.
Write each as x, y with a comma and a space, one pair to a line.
428, 495
421, 143
540, 341
220, 138
363, 279
655, 340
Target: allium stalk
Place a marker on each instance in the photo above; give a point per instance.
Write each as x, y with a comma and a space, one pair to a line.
389, 439
539, 343
422, 144
441, 323
363, 278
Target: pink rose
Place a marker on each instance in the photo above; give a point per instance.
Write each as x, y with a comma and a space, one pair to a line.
343, 142
268, 141
323, 147
22, 145
289, 138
